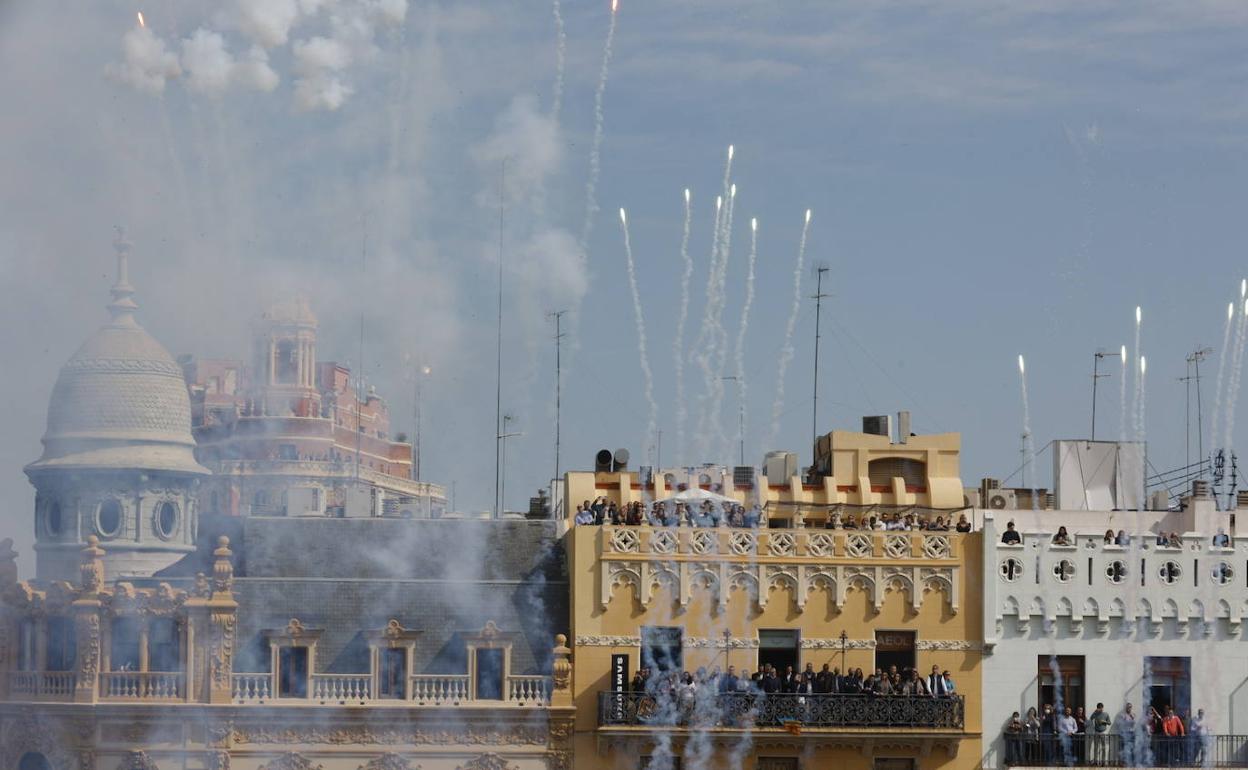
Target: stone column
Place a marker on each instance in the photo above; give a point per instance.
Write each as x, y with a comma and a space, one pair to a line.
86, 611
212, 617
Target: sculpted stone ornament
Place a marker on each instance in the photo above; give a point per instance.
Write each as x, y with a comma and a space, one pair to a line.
290, 761
486, 762
389, 761
137, 760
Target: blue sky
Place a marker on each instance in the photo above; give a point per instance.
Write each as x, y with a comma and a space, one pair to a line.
986, 180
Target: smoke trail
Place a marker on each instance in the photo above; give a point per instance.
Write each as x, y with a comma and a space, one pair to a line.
1141, 433
786, 350
1135, 390
1122, 395
595, 150
561, 55
652, 422
1237, 362
1217, 396
719, 346
678, 345
704, 332
1029, 451
745, 323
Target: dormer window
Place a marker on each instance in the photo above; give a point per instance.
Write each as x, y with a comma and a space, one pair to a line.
293, 657
392, 651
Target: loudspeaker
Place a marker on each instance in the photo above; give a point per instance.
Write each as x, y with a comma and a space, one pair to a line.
602, 461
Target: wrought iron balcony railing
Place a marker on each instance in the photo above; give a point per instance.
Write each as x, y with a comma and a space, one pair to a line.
781, 710
1114, 750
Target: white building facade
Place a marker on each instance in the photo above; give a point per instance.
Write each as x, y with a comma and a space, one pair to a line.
1089, 622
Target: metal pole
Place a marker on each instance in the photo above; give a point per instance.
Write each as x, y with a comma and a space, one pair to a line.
498, 394
814, 417
558, 316
416, 441
1096, 361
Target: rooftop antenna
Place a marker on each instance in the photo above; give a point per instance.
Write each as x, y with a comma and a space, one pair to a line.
1193, 364
559, 335
359, 381
498, 393
1096, 375
818, 298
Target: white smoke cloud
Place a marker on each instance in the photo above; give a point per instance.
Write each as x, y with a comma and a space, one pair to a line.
268, 22
207, 63
319, 63
211, 70
146, 62
253, 71
527, 138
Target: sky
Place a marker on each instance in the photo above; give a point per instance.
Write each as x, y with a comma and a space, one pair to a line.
984, 181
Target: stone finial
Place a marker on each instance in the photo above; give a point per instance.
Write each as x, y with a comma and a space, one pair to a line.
8, 562
123, 305
222, 567
561, 673
92, 566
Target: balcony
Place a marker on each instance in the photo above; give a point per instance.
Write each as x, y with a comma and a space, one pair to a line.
1112, 750
49, 685
782, 711
451, 690
142, 685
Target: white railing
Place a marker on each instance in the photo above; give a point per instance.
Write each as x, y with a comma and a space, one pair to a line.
528, 690
42, 683
143, 685
447, 689
341, 688
252, 688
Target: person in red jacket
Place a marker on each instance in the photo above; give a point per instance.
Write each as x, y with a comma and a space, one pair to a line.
1172, 726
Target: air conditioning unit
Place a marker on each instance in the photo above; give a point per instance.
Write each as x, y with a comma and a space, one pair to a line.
1001, 500
743, 476
878, 425
971, 498
779, 467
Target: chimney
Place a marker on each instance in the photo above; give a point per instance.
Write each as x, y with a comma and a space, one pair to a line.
903, 426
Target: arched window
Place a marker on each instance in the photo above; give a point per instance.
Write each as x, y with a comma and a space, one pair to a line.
167, 519
54, 521
108, 518
33, 760
287, 362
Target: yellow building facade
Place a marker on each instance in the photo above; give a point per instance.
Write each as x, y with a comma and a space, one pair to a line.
796, 592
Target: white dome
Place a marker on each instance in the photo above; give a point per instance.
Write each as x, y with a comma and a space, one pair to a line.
120, 402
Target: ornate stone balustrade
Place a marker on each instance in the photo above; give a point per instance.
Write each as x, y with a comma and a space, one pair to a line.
684, 561
42, 684
1197, 585
786, 544
142, 685
342, 688
423, 690
779, 711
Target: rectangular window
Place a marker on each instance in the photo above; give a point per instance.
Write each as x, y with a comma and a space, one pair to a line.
893, 764
662, 647
777, 763
659, 763
392, 679
1169, 682
894, 648
779, 647
489, 674
1061, 681
163, 648
26, 660
292, 672
124, 651
62, 644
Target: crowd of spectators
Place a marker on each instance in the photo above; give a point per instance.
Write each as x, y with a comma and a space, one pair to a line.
675, 695
1065, 738
714, 513
1011, 536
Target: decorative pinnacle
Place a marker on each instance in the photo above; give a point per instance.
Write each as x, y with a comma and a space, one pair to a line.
123, 305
